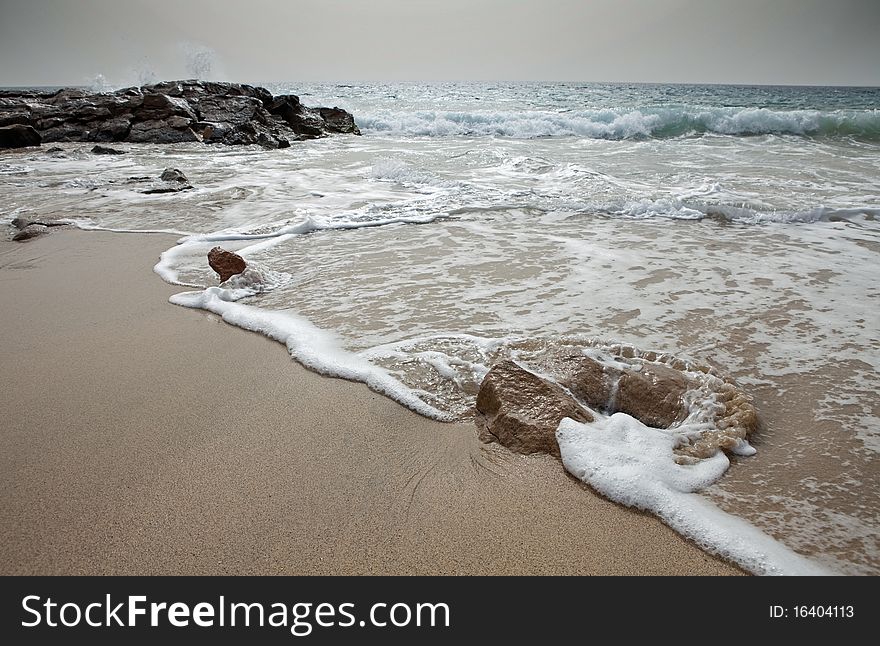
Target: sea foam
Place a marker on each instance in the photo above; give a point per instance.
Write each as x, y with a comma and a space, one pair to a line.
634, 465
311, 346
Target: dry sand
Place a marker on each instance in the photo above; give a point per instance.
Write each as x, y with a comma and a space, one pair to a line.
143, 438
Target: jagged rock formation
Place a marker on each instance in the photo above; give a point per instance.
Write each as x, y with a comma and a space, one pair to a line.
169, 112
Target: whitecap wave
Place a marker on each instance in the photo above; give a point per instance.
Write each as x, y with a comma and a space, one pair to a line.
625, 123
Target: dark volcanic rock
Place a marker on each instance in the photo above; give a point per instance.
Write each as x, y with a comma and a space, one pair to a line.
339, 120
19, 136
173, 112
160, 132
113, 130
104, 150
226, 263
172, 175
158, 107
521, 410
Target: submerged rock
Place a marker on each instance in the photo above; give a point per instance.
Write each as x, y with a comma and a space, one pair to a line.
226, 263
105, 150
172, 181
652, 393
521, 410
590, 381
30, 231
23, 223
19, 136
169, 112
173, 175
704, 410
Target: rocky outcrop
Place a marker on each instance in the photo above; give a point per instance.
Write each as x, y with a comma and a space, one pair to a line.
19, 135
226, 263
521, 410
172, 112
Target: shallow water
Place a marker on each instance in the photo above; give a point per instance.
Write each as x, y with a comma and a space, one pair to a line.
472, 221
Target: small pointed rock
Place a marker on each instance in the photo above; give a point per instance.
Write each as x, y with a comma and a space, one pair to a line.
226, 263
173, 175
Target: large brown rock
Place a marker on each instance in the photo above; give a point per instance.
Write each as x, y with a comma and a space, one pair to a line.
521, 410
590, 381
653, 395
158, 107
650, 392
226, 263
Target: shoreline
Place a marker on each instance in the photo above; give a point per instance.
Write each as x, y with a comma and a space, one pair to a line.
144, 438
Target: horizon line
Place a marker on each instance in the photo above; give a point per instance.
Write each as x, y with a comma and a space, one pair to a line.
458, 81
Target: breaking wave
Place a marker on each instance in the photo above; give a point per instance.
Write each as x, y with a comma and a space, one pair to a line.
643, 123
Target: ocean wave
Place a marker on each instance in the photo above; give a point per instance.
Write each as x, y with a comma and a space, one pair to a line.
643, 123
395, 170
676, 209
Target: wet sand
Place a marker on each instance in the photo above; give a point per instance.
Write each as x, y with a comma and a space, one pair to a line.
144, 438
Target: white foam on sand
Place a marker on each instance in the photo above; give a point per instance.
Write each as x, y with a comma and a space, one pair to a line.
311, 346
634, 465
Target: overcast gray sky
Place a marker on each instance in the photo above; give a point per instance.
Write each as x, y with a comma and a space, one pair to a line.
58, 42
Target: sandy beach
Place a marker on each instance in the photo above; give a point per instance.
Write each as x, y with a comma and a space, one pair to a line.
144, 438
